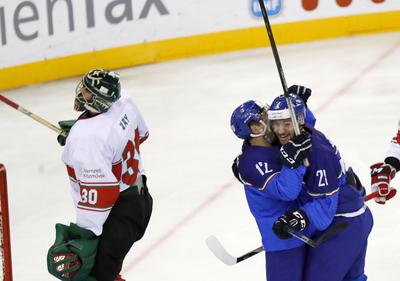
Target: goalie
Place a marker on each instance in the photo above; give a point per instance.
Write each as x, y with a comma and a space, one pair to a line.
108, 185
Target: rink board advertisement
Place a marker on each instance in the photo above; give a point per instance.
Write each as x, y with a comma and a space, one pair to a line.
47, 40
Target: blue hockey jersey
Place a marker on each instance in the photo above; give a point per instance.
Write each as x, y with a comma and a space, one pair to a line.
270, 191
320, 189
326, 192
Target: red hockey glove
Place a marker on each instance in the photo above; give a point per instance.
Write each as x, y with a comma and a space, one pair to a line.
381, 175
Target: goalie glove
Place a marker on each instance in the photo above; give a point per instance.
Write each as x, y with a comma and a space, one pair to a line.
66, 126
72, 256
381, 175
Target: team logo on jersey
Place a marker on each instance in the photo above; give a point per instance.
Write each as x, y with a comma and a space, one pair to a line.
274, 7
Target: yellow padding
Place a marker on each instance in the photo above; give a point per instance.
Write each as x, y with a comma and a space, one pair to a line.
205, 44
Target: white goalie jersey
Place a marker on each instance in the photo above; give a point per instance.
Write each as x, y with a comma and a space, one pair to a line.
103, 159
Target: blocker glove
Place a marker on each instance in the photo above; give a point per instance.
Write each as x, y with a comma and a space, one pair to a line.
295, 219
296, 150
381, 175
303, 92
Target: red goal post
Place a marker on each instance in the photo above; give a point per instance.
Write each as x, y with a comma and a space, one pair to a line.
5, 243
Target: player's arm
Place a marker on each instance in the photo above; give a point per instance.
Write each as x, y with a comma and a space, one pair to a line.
304, 93
288, 183
99, 191
323, 185
321, 209
98, 186
393, 161
382, 173
318, 212
142, 129
393, 153
284, 184
324, 190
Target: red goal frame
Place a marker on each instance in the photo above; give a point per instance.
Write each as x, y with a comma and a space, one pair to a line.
5, 226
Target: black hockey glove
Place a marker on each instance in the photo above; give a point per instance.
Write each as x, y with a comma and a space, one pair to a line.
296, 150
295, 219
303, 92
66, 126
235, 170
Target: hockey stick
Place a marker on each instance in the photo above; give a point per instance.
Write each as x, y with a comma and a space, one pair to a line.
33, 116
330, 232
371, 196
280, 71
219, 251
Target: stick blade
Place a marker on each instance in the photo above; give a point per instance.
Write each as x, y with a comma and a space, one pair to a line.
219, 251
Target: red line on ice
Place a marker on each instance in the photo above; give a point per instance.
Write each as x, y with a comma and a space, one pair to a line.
346, 87
141, 256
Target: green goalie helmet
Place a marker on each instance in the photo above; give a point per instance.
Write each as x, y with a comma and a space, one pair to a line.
105, 88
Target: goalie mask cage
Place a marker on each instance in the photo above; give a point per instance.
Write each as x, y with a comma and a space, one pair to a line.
5, 245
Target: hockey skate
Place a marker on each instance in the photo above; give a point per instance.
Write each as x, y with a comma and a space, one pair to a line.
119, 278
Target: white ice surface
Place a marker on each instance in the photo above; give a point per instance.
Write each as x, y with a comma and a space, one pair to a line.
187, 105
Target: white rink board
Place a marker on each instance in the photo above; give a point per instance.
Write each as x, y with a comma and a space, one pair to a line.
187, 105
32, 31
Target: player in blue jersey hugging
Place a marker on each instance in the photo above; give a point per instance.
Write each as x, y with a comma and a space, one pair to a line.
329, 195
270, 188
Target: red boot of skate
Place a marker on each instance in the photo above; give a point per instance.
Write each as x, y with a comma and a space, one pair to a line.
119, 278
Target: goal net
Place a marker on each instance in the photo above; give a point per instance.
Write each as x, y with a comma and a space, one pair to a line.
5, 246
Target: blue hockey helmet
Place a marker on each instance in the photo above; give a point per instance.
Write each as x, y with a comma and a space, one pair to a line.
279, 109
243, 115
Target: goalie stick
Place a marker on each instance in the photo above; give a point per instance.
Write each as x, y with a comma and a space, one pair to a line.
219, 251
33, 116
371, 196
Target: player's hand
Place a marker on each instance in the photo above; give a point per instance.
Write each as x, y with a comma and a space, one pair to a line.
295, 219
235, 170
303, 92
381, 175
66, 126
296, 150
